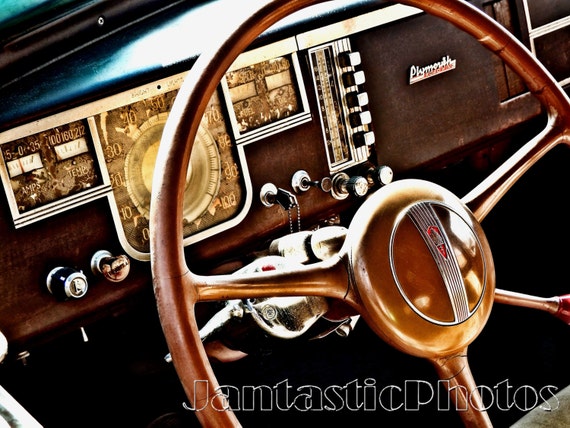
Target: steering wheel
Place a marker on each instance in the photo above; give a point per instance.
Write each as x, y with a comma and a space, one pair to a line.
416, 264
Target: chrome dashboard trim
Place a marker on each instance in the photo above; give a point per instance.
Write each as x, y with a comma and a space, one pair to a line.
355, 25
542, 30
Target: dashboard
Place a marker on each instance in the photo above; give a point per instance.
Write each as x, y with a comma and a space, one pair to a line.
320, 111
306, 116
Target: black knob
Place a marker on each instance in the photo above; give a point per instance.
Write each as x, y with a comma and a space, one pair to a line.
360, 118
66, 283
362, 138
349, 59
356, 99
357, 186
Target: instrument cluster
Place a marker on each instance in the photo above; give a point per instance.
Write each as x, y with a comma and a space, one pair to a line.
107, 149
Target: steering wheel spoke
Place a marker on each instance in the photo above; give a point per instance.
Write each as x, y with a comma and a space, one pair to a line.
489, 192
455, 375
326, 279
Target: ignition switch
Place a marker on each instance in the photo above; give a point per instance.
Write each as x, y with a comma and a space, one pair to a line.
67, 283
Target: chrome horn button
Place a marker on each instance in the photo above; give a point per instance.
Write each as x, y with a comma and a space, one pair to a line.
422, 268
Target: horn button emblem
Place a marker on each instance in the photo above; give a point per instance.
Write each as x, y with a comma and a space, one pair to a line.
437, 263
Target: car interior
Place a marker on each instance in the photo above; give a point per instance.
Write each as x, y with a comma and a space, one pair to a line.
277, 212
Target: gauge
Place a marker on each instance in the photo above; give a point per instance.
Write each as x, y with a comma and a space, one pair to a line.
215, 189
71, 148
24, 164
52, 168
267, 96
263, 93
203, 178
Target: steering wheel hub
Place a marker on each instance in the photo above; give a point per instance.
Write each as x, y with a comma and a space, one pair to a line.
422, 267
444, 280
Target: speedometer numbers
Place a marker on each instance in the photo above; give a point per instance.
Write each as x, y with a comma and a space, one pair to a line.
130, 136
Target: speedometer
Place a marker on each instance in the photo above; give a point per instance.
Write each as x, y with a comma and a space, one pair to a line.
202, 179
130, 137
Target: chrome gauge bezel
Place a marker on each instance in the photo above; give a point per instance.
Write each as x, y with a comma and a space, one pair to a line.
285, 50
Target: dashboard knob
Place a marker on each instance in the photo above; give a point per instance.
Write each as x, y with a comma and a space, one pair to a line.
349, 59
353, 78
357, 186
344, 185
113, 268
363, 138
360, 118
66, 283
357, 99
381, 175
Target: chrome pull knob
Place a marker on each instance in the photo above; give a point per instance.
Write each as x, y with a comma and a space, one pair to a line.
344, 186
381, 175
112, 268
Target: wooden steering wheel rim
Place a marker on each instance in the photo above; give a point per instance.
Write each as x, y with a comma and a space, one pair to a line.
173, 281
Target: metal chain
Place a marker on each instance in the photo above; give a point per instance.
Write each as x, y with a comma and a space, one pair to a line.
291, 219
